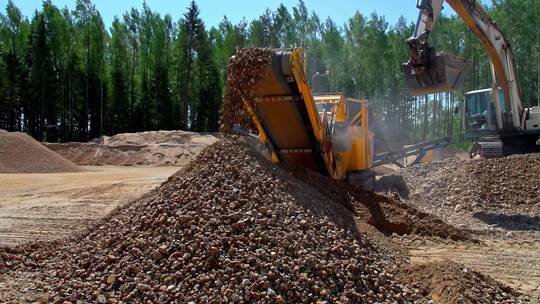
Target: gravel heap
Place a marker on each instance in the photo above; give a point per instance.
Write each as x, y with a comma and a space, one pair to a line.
489, 189
20, 153
228, 227
244, 71
388, 215
152, 148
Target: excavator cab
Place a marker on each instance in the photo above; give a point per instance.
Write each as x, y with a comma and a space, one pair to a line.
479, 114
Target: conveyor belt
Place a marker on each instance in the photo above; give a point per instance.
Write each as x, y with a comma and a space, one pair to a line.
284, 110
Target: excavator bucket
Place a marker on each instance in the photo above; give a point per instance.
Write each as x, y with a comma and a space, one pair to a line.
444, 73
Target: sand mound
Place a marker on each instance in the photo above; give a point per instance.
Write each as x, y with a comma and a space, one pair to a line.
229, 227
154, 148
20, 153
450, 283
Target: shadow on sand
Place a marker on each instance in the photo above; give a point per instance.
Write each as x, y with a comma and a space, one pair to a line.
510, 222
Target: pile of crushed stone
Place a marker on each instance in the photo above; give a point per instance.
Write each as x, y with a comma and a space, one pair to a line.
504, 191
245, 69
152, 148
20, 153
388, 215
229, 227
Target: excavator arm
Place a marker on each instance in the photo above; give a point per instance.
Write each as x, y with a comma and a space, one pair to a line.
428, 72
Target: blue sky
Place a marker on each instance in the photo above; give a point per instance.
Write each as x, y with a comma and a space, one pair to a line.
212, 11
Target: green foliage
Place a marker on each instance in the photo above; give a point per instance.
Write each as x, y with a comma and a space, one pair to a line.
119, 113
14, 36
64, 76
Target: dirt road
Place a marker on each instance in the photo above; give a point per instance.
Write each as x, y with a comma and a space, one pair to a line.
51, 206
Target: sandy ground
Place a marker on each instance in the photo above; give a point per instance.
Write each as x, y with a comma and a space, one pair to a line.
152, 148
514, 260
51, 206
508, 248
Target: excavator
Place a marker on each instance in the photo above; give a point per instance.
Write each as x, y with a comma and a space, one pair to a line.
495, 118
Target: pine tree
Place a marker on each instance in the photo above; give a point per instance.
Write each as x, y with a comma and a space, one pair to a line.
131, 20
179, 85
208, 86
161, 49
14, 31
42, 85
224, 39
56, 32
145, 109
119, 109
191, 28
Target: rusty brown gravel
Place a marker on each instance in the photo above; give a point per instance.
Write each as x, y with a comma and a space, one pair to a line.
229, 227
244, 71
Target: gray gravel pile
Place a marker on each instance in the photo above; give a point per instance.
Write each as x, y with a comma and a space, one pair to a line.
495, 191
227, 228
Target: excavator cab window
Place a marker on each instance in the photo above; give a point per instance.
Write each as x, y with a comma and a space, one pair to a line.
320, 83
480, 111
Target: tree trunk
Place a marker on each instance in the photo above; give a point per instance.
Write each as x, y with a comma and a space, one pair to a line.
186, 102
87, 80
101, 104
42, 110
425, 125
132, 91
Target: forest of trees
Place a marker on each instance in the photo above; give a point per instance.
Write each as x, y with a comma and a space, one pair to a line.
66, 76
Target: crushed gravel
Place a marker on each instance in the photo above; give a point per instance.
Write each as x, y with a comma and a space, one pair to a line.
499, 193
227, 228
230, 227
244, 71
